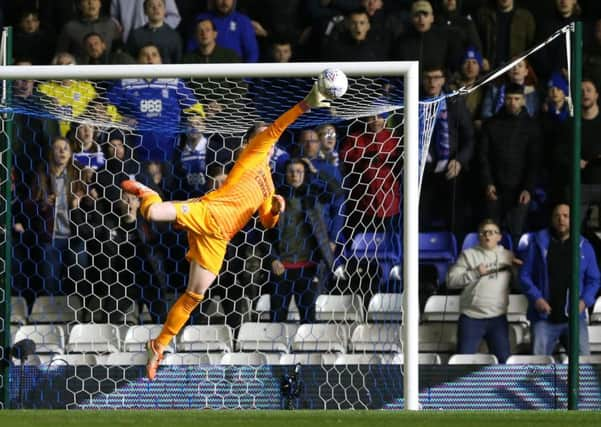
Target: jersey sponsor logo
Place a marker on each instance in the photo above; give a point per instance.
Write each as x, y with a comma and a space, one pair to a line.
262, 182
151, 107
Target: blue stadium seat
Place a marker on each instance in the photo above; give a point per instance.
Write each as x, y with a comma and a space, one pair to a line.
438, 248
471, 240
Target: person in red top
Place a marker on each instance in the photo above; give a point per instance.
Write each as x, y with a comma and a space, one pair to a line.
371, 165
212, 220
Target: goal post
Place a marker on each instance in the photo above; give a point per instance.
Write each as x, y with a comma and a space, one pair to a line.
412, 137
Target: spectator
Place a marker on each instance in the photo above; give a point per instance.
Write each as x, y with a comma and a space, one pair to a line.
546, 280
31, 41
87, 152
56, 195
521, 74
556, 105
273, 19
356, 43
449, 156
460, 27
234, 30
553, 56
592, 52
32, 134
71, 38
281, 51
190, 160
505, 32
590, 163
299, 246
372, 170
131, 14
157, 32
510, 162
69, 98
309, 147
386, 25
469, 73
119, 166
208, 51
97, 53
156, 105
431, 45
484, 274
328, 150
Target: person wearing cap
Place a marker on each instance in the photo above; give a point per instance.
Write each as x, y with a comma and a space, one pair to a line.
556, 106
425, 42
510, 156
471, 67
505, 31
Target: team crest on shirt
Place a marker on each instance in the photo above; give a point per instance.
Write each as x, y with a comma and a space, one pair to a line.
76, 96
165, 93
185, 209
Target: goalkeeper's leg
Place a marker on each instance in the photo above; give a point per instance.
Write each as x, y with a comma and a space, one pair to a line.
152, 206
198, 282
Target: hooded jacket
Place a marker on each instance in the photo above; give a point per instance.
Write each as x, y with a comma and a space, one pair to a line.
534, 275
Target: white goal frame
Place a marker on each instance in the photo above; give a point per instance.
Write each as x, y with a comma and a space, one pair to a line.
410, 73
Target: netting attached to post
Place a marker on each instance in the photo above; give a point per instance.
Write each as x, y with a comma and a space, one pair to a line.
95, 280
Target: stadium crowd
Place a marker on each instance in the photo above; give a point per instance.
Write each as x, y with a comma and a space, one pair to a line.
502, 152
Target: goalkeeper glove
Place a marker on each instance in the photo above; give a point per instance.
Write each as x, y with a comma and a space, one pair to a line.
315, 99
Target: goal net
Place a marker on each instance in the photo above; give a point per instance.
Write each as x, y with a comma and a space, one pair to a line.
92, 281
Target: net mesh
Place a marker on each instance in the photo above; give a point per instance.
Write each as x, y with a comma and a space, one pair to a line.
91, 287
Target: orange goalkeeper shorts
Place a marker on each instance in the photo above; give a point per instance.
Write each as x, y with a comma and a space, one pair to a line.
205, 239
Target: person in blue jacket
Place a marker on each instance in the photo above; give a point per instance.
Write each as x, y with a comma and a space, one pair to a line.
545, 278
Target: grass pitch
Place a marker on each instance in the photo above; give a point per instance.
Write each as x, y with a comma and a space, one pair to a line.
225, 418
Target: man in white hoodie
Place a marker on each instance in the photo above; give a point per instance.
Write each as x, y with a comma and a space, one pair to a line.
484, 273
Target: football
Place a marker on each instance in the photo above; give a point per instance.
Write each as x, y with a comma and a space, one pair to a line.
332, 83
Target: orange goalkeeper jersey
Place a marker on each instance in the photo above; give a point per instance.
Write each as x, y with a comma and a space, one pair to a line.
249, 186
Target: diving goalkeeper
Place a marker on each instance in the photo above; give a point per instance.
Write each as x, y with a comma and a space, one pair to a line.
212, 220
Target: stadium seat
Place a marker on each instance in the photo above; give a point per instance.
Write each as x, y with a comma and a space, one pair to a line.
47, 338
384, 247
594, 338
473, 359
320, 337
145, 317
376, 338
18, 311
100, 338
302, 358
206, 338
519, 338
588, 359
253, 359
438, 248
438, 337
59, 309
345, 308
596, 314
517, 309
385, 308
471, 239
84, 359
441, 308
423, 359
263, 308
358, 359
265, 336
126, 358
188, 359
529, 359
138, 335
328, 358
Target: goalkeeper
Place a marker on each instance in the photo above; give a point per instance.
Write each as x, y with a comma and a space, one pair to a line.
212, 220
